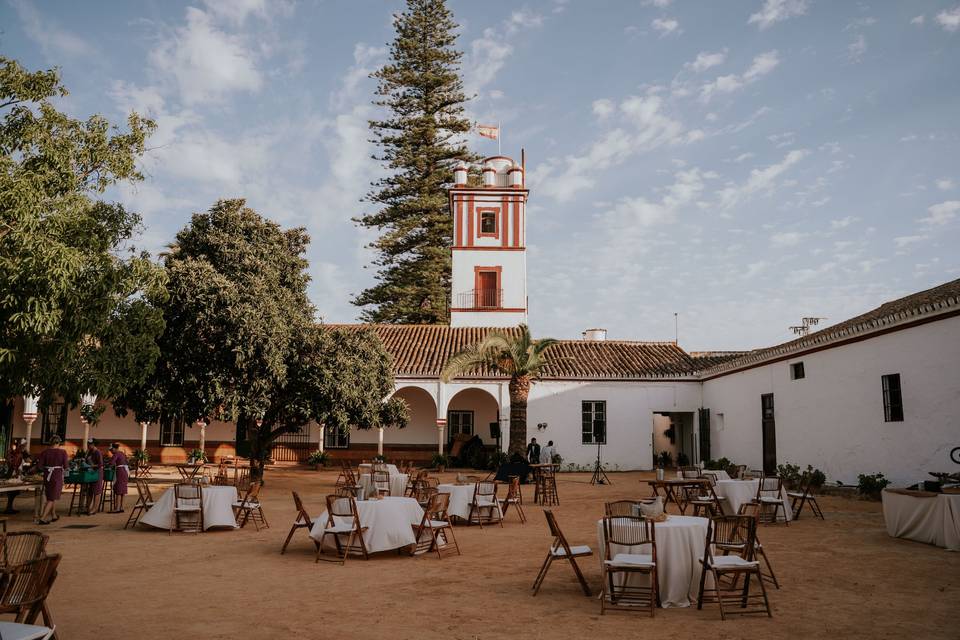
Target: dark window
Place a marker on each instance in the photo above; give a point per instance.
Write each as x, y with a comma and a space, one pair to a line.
171, 431
488, 222
54, 421
459, 422
594, 421
796, 371
892, 398
336, 438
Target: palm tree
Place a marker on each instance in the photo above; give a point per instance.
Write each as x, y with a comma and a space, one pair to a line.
518, 356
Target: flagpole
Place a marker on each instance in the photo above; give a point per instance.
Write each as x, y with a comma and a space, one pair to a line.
499, 135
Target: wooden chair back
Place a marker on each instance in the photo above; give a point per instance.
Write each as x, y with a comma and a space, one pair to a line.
22, 546
769, 487
253, 493
731, 533
381, 480
513, 490
28, 584
690, 472
621, 508
628, 531
559, 540
739, 472
342, 507
143, 491
438, 506
301, 510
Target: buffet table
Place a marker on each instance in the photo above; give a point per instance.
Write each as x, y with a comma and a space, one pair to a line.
922, 516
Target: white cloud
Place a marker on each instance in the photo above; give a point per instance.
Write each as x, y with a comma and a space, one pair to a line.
55, 41
905, 241
743, 156
787, 238
760, 181
857, 48
949, 19
666, 26
523, 19
630, 213
205, 62
656, 3
603, 108
706, 61
761, 66
366, 60
920, 19
843, 223
774, 11
489, 53
945, 184
237, 11
942, 213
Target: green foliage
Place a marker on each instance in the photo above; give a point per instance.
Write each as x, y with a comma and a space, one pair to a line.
793, 478
440, 460
92, 412
518, 356
870, 486
318, 458
197, 455
419, 142
682, 459
556, 459
78, 304
665, 459
140, 456
240, 342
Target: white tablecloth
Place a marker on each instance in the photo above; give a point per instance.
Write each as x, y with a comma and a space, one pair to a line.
681, 541
398, 483
719, 474
368, 468
217, 508
388, 523
739, 491
933, 520
461, 495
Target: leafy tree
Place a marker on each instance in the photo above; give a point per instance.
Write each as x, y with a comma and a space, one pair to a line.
420, 141
77, 302
516, 355
240, 343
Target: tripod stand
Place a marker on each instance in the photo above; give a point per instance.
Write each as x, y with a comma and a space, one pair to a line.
599, 475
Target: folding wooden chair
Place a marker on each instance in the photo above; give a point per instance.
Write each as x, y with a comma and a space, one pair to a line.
620, 588
514, 497
753, 509
39, 608
249, 508
21, 546
26, 586
622, 508
707, 502
303, 521
143, 503
723, 535
344, 509
485, 499
222, 477
560, 549
770, 497
241, 478
346, 475
436, 526
803, 497
690, 472
187, 508
381, 480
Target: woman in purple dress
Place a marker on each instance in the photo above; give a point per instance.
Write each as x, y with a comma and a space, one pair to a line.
52, 462
121, 476
94, 460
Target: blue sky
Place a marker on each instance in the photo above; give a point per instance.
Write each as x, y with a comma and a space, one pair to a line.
742, 163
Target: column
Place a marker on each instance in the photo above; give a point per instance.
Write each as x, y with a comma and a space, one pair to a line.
29, 422
441, 426
379, 441
323, 433
143, 436
203, 435
86, 433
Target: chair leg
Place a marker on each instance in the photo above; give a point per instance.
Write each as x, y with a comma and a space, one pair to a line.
703, 581
583, 581
543, 573
283, 549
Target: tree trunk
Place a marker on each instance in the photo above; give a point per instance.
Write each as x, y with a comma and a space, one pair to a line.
519, 391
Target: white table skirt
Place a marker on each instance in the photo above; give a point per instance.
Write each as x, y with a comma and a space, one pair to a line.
719, 474
461, 495
738, 492
681, 541
933, 520
217, 508
398, 483
368, 468
388, 523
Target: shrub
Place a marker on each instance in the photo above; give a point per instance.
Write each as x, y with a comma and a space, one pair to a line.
197, 455
870, 486
556, 458
497, 458
439, 460
140, 456
790, 474
682, 459
665, 459
318, 458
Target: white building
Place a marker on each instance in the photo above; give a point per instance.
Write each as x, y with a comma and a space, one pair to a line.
877, 393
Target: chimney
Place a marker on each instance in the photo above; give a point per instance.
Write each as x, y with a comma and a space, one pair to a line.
595, 335
460, 174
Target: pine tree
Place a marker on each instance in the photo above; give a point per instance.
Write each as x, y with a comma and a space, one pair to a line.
420, 142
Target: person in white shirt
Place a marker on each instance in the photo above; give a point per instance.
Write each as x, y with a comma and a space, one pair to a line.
547, 452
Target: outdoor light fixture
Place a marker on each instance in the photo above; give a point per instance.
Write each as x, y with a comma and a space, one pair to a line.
541, 426
88, 399
30, 408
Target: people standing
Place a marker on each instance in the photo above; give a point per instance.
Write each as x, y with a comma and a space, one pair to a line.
533, 451
52, 461
94, 461
547, 453
121, 476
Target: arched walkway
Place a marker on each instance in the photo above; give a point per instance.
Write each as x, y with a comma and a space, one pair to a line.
472, 411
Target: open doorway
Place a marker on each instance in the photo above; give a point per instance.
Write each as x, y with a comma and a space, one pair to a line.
673, 444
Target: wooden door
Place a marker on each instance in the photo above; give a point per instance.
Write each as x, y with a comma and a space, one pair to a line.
487, 289
769, 429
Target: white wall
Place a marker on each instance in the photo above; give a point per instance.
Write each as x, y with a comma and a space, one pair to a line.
630, 408
833, 418
513, 280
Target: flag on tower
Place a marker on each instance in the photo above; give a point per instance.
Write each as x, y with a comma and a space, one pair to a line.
491, 131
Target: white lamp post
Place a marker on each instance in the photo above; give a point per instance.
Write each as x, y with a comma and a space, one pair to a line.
29, 415
143, 435
203, 435
86, 400
379, 441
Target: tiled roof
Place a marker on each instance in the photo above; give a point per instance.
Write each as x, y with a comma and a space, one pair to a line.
422, 351
942, 299
707, 359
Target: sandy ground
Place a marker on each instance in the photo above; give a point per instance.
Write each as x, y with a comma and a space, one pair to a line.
841, 578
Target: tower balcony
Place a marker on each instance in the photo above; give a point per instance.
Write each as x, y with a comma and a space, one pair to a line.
480, 299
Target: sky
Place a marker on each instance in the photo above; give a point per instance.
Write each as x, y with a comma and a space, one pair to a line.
742, 164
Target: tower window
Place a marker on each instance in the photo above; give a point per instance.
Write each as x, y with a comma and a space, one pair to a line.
488, 223
796, 371
892, 398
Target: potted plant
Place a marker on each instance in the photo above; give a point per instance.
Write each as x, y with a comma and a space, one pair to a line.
196, 456
318, 459
140, 456
440, 461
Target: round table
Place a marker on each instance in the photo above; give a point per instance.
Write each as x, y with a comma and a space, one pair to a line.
718, 474
738, 492
681, 541
388, 523
217, 508
461, 495
366, 467
398, 483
